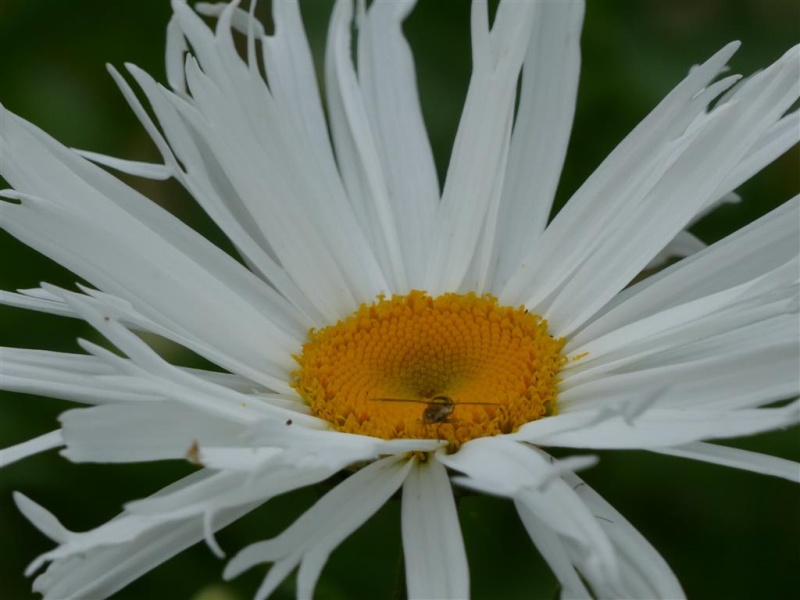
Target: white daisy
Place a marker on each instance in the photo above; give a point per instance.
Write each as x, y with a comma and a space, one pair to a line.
417, 338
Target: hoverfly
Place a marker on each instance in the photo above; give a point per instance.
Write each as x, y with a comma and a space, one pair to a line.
438, 410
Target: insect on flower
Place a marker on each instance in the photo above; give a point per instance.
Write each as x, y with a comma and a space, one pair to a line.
438, 410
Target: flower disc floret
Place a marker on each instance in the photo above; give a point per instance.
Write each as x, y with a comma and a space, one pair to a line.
454, 367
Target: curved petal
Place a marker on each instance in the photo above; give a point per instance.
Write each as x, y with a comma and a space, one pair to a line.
554, 551
124, 244
322, 528
99, 562
301, 213
662, 427
541, 131
472, 177
737, 458
143, 431
743, 256
654, 202
643, 572
532, 478
357, 150
388, 86
45, 442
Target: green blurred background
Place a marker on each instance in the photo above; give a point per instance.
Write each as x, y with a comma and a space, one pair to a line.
726, 533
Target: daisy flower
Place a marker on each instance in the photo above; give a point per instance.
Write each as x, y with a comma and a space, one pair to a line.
409, 335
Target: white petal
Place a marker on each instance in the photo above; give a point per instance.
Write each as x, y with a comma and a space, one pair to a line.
36, 299
525, 474
435, 559
541, 130
323, 526
389, 90
774, 142
326, 448
73, 377
728, 379
495, 465
655, 203
643, 572
552, 548
131, 167
307, 220
226, 489
737, 458
682, 245
772, 297
478, 277
206, 183
88, 380
42, 518
162, 260
473, 176
174, 55
133, 432
100, 562
168, 381
265, 375
661, 427
45, 442
96, 200
124, 526
636, 162
765, 244
357, 151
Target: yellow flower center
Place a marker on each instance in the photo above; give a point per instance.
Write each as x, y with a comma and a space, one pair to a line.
454, 367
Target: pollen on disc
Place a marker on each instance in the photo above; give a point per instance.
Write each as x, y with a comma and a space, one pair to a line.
454, 367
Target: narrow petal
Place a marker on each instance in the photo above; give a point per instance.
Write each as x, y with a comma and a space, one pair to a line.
684, 189
87, 379
305, 217
737, 458
41, 518
73, 377
682, 245
130, 167
322, 528
388, 86
553, 549
662, 428
328, 448
494, 465
681, 175
168, 381
133, 432
761, 246
704, 375
541, 130
773, 143
208, 185
45, 442
357, 150
561, 509
162, 260
226, 489
435, 559
643, 572
693, 325
36, 299
471, 178
643, 153
100, 562
529, 476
